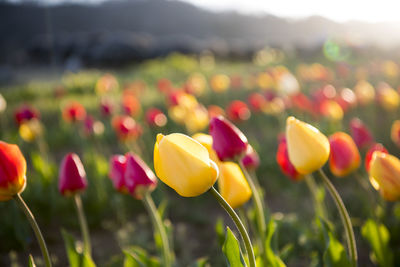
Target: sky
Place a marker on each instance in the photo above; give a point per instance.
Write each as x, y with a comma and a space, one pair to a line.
337, 10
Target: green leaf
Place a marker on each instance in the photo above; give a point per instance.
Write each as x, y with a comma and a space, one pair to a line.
273, 260
231, 250
31, 262
219, 229
378, 237
335, 254
75, 258
138, 257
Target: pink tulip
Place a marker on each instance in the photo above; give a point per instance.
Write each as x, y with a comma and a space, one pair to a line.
72, 177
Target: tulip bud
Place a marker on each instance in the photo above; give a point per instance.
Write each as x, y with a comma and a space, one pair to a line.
361, 135
131, 105
251, 160
3, 104
25, 113
126, 128
364, 91
30, 130
344, 157
72, 175
228, 141
143, 179
184, 164
395, 132
12, 171
388, 98
106, 107
385, 175
282, 157
233, 185
117, 174
308, 148
368, 156
73, 112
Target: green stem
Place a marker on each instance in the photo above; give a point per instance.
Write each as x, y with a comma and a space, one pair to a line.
239, 225
257, 201
159, 227
344, 215
35, 228
83, 224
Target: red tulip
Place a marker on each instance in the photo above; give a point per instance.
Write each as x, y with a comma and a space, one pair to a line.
73, 112
361, 135
164, 85
142, 177
117, 174
173, 97
12, 171
302, 102
344, 157
228, 141
251, 160
130, 105
368, 156
126, 128
256, 101
282, 157
156, 117
25, 113
238, 111
72, 175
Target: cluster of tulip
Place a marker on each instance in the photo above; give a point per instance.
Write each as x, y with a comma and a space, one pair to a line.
191, 165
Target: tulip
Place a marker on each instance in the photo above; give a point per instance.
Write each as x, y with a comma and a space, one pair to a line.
106, 83
395, 132
388, 98
156, 117
126, 128
344, 157
196, 119
164, 85
238, 111
131, 105
30, 130
308, 148
12, 171
364, 91
251, 160
229, 142
117, 174
73, 112
92, 126
196, 84
385, 175
143, 179
368, 156
282, 157
331, 110
13, 182
214, 111
106, 107
184, 164
360, 133
302, 102
256, 101
220, 83
25, 113
233, 185
72, 175
206, 140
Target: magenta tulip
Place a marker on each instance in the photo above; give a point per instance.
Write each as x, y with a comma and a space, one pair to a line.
117, 174
142, 177
251, 160
228, 141
72, 175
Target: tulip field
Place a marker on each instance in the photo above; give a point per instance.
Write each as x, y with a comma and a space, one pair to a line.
202, 161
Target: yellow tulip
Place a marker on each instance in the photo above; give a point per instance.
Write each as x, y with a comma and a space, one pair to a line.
30, 130
206, 140
385, 175
308, 148
233, 185
364, 91
184, 164
388, 98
